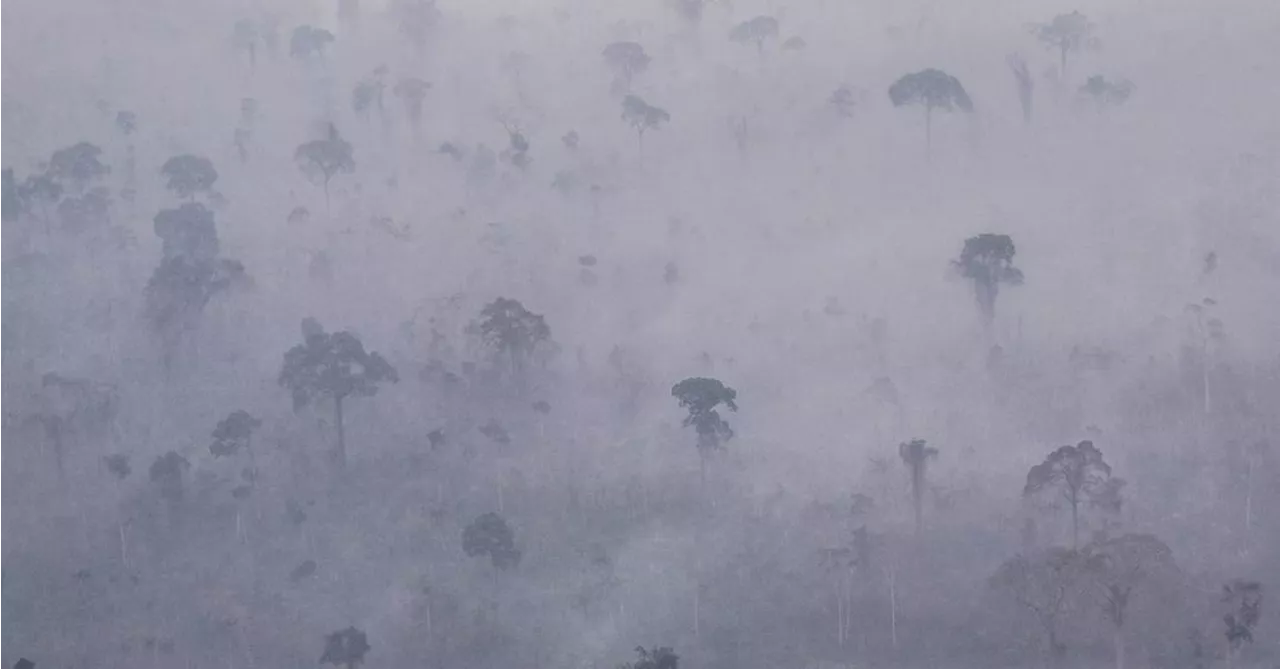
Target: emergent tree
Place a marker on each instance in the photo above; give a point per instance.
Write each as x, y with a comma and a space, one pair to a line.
700, 396
1078, 473
931, 89
987, 261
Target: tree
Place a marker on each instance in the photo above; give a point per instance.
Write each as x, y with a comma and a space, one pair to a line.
188, 231
245, 36
412, 91
642, 116
1065, 33
931, 89
489, 535
345, 648
1078, 473
987, 261
307, 41
118, 466
1026, 85
1043, 583
65, 406
322, 159
37, 194
234, 433
187, 175
166, 473
1106, 93
627, 58
77, 166
181, 287
11, 198
333, 365
915, 455
755, 30
511, 330
700, 396
658, 658
1118, 566
1244, 599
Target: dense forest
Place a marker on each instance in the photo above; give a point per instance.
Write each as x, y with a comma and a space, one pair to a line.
656, 334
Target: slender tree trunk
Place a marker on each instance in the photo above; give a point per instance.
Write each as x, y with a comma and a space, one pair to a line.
1063, 60
1119, 640
697, 594
893, 607
327, 211
1075, 522
341, 455
928, 129
124, 544
917, 493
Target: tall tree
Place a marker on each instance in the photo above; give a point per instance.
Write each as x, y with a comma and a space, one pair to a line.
307, 42
1078, 473
1065, 33
244, 35
627, 59
916, 455
931, 89
188, 231
1244, 601
333, 365
187, 175
1026, 85
987, 261
323, 159
78, 166
345, 648
412, 91
642, 116
512, 331
1121, 564
700, 396
490, 536
167, 473
755, 31
1044, 584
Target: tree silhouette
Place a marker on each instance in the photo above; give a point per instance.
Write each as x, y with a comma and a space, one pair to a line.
1065, 33
118, 466
181, 287
1244, 599
1043, 583
931, 89
1078, 473
512, 331
642, 116
915, 455
36, 194
11, 201
188, 231
987, 261
627, 59
1118, 566
187, 175
78, 166
234, 433
700, 396
1026, 85
333, 365
412, 91
1106, 93
756, 31
657, 658
244, 35
166, 473
307, 41
322, 159
489, 535
345, 648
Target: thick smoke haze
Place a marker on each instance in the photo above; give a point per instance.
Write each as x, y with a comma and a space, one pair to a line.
643, 334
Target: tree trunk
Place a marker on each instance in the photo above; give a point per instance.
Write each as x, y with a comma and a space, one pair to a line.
341, 455
327, 212
928, 129
917, 493
1063, 57
893, 607
1119, 639
124, 545
1075, 523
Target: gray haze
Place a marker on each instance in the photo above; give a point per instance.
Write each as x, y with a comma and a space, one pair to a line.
673, 318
